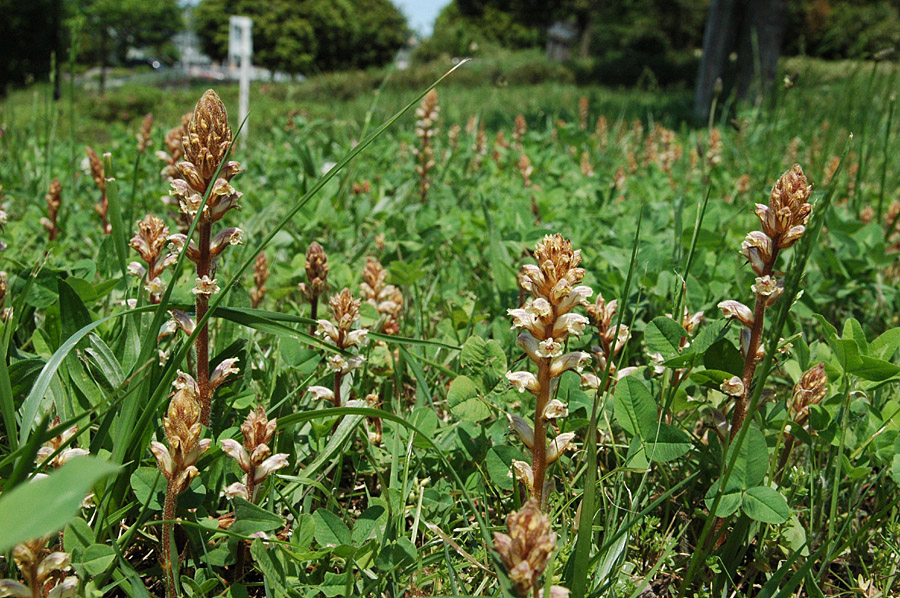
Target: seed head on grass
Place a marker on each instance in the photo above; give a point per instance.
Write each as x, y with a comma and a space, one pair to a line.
547, 320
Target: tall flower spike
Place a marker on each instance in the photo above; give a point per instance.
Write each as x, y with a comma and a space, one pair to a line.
316, 276
206, 142
177, 462
426, 130
548, 321
783, 223
53, 203
254, 457
527, 549
260, 276
99, 175
340, 333
146, 131
809, 390
385, 298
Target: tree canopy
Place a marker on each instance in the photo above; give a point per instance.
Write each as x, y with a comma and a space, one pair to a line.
307, 36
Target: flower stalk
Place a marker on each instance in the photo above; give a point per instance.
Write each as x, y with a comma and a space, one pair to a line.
783, 222
340, 334
206, 143
547, 320
317, 277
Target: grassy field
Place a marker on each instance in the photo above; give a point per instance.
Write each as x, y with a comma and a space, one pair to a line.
314, 446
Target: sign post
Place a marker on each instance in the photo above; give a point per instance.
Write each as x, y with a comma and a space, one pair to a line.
240, 51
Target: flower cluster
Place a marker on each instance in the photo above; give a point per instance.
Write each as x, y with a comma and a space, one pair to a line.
144, 137
183, 430
427, 114
340, 334
260, 276
783, 222
527, 549
149, 241
386, 298
53, 446
612, 340
44, 573
53, 203
98, 173
175, 147
547, 321
316, 276
254, 457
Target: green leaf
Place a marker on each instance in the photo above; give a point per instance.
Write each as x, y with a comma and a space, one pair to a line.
73, 313
765, 504
499, 464
465, 401
754, 457
59, 496
366, 522
854, 332
875, 370
97, 558
668, 444
663, 335
270, 567
249, 518
330, 529
485, 360
723, 356
885, 345
149, 487
731, 498
635, 409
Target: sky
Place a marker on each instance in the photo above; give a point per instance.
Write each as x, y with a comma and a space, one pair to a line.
421, 13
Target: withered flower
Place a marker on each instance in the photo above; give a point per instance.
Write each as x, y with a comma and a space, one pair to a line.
527, 549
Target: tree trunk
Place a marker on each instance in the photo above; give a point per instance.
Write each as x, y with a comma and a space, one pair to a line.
760, 46
718, 39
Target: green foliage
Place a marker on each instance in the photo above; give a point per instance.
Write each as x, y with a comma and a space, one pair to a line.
309, 36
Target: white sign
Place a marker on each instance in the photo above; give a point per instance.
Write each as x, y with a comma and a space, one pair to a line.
240, 51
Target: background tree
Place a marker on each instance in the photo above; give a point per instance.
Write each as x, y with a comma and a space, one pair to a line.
307, 36
31, 33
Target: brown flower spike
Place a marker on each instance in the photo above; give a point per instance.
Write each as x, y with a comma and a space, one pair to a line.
526, 550
149, 241
53, 203
99, 175
547, 320
317, 276
206, 142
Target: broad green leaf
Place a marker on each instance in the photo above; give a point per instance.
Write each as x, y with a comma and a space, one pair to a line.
854, 332
249, 518
663, 335
765, 504
669, 443
465, 400
97, 558
885, 345
78, 535
330, 529
755, 457
635, 409
366, 523
269, 566
875, 370
731, 498
484, 360
149, 487
59, 496
723, 356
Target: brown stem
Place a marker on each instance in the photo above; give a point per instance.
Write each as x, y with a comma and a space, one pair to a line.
202, 343
241, 545
168, 517
337, 388
539, 449
785, 454
759, 315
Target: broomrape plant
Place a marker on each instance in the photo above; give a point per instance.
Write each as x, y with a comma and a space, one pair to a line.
547, 320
